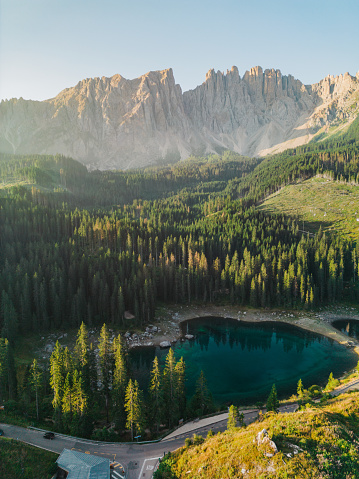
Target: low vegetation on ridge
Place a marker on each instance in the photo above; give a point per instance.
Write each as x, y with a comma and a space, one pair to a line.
313, 443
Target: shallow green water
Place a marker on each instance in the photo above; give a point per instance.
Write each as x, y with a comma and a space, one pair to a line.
242, 360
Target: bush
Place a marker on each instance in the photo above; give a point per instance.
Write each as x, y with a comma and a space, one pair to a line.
332, 383
315, 391
188, 442
12, 407
197, 440
164, 470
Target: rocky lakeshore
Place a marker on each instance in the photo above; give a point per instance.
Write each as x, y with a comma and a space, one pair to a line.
167, 328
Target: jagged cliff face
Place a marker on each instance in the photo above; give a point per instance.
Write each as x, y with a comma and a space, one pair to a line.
119, 123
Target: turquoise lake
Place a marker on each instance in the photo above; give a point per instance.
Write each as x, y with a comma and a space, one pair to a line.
242, 360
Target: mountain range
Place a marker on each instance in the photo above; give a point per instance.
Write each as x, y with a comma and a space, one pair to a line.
109, 123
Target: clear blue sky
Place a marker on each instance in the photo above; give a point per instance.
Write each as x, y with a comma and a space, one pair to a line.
48, 45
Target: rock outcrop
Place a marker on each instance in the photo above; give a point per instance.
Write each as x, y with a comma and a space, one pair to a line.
119, 123
264, 442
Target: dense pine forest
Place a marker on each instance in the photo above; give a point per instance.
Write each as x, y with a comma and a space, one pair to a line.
85, 247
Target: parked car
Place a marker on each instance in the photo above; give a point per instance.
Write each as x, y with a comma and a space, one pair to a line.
49, 435
2, 432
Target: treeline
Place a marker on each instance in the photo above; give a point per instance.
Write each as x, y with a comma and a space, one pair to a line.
61, 267
85, 388
66, 180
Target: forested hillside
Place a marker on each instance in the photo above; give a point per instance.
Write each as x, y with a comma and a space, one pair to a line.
183, 233
87, 247
337, 158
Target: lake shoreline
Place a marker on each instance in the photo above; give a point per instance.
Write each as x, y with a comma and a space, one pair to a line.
169, 319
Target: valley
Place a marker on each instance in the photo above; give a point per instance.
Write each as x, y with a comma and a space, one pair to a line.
95, 265
179, 250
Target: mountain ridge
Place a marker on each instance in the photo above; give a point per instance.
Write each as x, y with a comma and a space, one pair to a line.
113, 122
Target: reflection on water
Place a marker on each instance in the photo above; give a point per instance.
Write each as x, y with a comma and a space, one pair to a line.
247, 335
242, 360
348, 326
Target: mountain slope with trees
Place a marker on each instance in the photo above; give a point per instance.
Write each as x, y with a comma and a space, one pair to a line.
87, 247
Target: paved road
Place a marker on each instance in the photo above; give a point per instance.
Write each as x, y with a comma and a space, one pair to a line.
351, 386
139, 460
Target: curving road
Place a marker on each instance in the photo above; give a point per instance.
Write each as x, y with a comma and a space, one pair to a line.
139, 460
351, 386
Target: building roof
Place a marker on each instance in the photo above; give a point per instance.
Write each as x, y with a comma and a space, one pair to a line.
83, 466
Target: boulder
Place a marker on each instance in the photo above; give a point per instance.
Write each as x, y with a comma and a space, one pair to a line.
263, 439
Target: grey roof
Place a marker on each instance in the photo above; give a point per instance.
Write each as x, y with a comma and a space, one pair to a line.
83, 466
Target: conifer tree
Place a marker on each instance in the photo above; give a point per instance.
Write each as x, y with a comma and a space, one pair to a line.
120, 379
233, 416
82, 356
169, 387
201, 402
133, 407
180, 372
3, 369
82, 347
300, 388
7, 370
92, 369
272, 401
67, 396
332, 383
9, 318
105, 353
67, 361
120, 305
156, 394
35, 379
79, 397
57, 376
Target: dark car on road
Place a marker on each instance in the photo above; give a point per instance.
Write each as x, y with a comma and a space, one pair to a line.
49, 435
2, 432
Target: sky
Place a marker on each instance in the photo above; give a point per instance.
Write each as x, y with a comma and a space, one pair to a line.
49, 45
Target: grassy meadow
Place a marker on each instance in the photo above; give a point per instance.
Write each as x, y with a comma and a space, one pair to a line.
18, 460
319, 202
316, 442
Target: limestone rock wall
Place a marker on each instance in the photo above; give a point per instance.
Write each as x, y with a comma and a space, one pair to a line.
119, 123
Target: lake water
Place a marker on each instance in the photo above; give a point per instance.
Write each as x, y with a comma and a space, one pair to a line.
348, 326
242, 360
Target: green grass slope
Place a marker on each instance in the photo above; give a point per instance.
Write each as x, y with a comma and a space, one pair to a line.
46, 172
319, 202
316, 443
18, 460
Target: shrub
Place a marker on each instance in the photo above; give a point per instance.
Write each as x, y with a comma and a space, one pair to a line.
197, 440
188, 442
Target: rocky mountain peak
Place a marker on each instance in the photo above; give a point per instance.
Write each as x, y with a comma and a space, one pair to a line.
119, 123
